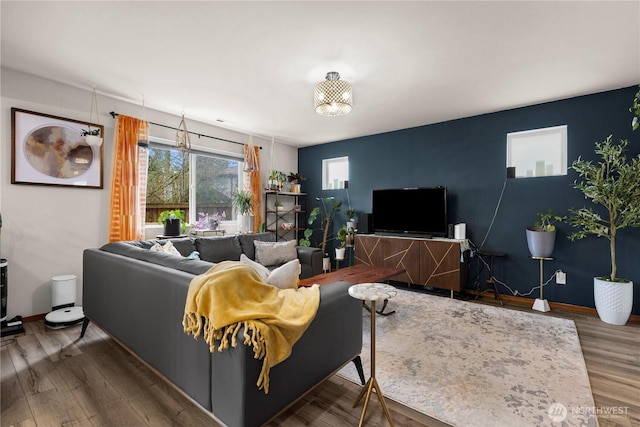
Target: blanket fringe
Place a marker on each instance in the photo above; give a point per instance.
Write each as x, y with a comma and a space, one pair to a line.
196, 325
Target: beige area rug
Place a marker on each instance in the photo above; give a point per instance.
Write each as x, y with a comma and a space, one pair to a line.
474, 365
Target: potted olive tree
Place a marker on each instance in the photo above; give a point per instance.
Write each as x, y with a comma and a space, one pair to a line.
614, 184
242, 200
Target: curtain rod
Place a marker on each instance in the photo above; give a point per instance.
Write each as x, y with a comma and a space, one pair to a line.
114, 114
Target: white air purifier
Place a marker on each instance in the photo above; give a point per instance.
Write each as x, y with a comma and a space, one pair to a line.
63, 300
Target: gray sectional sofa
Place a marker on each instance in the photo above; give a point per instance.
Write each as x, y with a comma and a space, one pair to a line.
138, 295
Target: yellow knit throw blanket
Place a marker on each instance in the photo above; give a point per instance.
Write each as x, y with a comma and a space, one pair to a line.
231, 295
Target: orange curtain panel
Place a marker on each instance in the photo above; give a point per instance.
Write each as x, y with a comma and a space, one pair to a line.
252, 183
128, 181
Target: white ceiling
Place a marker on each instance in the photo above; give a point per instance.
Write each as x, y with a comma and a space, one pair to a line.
254, 64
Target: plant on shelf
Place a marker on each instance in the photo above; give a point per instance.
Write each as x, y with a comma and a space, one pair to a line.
173, 221
295, 178
276, 179
342, 236
352, 221
614, 184
329, 206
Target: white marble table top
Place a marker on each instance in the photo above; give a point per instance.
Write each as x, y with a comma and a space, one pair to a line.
373, 291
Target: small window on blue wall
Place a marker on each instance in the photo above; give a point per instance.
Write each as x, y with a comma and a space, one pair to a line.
538, 152
334, 173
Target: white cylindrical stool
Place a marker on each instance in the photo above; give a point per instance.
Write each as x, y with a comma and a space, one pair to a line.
63, 299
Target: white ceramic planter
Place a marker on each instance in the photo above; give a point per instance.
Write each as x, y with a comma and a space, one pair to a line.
614, 300
340, 253
93, 140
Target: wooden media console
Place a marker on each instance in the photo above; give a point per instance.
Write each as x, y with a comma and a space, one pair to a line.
438, 263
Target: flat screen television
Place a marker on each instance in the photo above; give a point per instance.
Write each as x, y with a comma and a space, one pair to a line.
410, 211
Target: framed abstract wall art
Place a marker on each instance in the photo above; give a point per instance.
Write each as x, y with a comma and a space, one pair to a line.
50, 150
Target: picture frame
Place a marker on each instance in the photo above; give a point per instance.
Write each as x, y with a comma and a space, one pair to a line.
51, 150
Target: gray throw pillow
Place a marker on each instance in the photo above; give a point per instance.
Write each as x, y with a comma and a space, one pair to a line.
275, 253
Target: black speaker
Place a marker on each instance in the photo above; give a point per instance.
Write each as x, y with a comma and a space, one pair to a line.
451, 231
365, 223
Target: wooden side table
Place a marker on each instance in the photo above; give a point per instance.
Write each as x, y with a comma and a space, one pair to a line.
372, 292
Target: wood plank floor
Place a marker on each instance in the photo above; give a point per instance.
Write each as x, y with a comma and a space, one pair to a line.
52, 378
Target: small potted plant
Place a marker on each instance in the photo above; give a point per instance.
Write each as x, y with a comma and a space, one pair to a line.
541, 237
92, 137
172, 221
352, 221
242, 200
342, 237
295, 180
276, 180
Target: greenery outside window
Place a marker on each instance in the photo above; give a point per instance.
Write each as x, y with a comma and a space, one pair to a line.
195, 182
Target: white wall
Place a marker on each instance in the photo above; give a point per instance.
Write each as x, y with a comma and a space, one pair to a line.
45, 228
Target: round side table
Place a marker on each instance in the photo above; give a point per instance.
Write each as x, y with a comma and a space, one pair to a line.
372, 292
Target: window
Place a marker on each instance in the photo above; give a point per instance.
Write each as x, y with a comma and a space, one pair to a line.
538, 152
334, 173
197, 182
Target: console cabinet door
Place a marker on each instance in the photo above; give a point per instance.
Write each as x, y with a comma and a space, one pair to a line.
368, 250
402, 253
440, 264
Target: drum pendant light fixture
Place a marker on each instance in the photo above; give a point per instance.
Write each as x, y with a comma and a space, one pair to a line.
333, 97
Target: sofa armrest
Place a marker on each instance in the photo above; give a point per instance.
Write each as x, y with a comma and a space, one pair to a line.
310, 261
333, 339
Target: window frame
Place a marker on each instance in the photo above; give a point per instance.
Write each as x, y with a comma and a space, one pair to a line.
527, 144
165, 144
329, 181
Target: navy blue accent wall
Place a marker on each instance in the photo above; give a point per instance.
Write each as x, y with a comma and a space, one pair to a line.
468, 156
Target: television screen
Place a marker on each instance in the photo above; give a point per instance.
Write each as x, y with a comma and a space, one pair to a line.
420, 211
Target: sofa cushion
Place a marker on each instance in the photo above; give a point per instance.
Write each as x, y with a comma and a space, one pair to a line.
218, 249
286, 276
275, 253
262, 271
192, 266
247, 245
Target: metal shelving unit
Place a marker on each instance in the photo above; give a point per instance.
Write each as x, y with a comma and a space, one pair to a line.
288, 214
